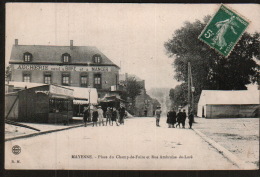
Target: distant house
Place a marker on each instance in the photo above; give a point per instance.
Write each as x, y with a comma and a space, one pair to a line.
229, 104
144, 104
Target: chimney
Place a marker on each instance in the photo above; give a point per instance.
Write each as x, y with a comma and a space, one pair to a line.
16, 41
71, 44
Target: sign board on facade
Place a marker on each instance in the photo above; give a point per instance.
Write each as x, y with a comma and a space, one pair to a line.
61, 90
36, 67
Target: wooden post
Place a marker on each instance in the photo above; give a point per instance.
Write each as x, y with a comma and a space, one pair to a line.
189, 88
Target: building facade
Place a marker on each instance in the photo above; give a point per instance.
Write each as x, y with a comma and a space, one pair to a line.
77, 66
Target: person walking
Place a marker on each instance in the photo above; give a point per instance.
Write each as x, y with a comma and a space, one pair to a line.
114, 116
100, 115
169, 120
86, 116
121, 114
184, 116
95, 116
191, 118
179, 118
108, 115
158, 115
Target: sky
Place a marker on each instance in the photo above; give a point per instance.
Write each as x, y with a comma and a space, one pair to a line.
131, 35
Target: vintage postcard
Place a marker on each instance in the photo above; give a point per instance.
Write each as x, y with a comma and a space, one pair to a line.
103, 86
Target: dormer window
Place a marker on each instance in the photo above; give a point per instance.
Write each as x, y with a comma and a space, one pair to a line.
27, 57
97, 58
66, 58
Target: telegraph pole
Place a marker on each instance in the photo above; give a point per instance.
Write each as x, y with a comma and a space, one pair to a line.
189, 88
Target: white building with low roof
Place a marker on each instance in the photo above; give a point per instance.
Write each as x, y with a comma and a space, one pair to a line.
229, 103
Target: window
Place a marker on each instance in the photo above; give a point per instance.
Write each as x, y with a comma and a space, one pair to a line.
27, 57
97, 59
65, 79
97, 81
26, 77
84, 81
66, 58
47, 78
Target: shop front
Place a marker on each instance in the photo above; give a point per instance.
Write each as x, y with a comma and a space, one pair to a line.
46, 104
83, 97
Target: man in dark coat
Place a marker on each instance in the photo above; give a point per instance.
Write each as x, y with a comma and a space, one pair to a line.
174, 116
95, 116
184, 116
191, 118
114, 116
86, 115
179, 118
121, 114
171, 118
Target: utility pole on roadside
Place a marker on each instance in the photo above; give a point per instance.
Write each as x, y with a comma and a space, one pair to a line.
191, 90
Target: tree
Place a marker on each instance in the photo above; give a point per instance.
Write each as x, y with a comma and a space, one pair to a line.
178, 95
8, 73
211, 70
133, 89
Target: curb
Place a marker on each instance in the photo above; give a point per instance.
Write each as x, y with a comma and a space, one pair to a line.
227, 154
42, 133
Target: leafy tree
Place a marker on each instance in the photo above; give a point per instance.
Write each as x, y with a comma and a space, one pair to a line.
133, 89
211, 70
178, 95
8, 73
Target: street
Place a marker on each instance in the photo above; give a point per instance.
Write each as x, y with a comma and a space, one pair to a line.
137, 145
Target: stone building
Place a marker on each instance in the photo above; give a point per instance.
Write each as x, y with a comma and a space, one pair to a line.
76, 66
144, 104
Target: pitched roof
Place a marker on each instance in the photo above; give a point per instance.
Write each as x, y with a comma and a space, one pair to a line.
53, 54
229, 97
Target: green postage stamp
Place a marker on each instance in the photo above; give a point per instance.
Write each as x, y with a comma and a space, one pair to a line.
224, 30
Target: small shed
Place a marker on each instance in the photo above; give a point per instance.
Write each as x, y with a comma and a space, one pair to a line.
229, 104
45, 104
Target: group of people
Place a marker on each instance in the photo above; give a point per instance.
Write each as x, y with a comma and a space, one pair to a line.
179, 118
175, 118
110, 116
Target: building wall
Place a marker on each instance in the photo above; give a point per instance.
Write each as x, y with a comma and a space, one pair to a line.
232, 111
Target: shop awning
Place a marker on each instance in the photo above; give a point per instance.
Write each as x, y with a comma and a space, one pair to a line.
83, 93
22, 85
111, 99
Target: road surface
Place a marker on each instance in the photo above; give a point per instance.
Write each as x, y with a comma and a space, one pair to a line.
137, 145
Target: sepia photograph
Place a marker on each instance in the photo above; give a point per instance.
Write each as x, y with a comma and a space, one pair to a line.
113, 86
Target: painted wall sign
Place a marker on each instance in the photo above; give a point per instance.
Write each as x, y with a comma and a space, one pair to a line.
60, 90
32, 67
